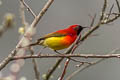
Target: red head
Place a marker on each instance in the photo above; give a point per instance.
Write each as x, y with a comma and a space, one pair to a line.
76, 28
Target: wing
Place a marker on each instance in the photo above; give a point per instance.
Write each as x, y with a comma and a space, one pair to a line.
54, 34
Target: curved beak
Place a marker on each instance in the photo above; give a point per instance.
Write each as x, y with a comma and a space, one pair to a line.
86, 27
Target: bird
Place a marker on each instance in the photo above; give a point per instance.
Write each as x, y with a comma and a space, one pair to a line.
60, 39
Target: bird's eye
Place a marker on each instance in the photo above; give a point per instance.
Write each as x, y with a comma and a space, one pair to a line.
76, 28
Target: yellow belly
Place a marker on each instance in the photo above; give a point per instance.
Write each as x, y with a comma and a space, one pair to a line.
56, 43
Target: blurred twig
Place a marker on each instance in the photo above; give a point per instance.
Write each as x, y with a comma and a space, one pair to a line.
28, 33
22, 13
100, 22
76, 43
28, 8
79, 55
93, 20
110, 12
22, 6
7, 23
83, 67
36, 70
118, 5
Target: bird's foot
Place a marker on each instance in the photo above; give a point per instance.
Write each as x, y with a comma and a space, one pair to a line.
58, 52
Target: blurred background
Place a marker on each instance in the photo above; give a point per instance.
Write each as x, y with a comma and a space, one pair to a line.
61, 14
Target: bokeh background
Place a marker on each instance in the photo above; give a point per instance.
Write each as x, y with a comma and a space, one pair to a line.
61, 14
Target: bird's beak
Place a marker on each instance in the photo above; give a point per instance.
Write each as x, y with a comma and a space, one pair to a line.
86, 27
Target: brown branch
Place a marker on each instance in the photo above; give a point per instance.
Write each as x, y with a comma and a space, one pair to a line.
83, 38
76, 43
22, 6
7, 59
93, 20
35, 66
118, 5
117, 15
110, 12
111, 20
103, 10
34, 23
28, 8
83, 67
41, 13
68, 51
22, 13
64, 70
68, 55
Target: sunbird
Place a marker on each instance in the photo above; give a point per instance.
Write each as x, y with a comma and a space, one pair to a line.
60, 39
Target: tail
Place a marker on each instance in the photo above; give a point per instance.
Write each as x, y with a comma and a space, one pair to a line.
33, 44
38, 42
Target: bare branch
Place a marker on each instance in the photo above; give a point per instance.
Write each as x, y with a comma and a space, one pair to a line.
36, 69
110, 12
41, 13
7, 59
83, 37
93, 20
34, 23
75, 45
83, 67
117, 15
28, 8
67, 56
22, 14
118, 5
111, 20
103, 10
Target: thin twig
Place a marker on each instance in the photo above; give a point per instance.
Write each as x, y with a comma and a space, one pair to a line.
103, 11
67, 56
82, 39
64, 70
34, 23
117, 15
41, 13
111, 20
118, 5
7, 59
22, 5
28, 8
22, 14
36, 70
110, 12
83, 67
93, 20
76, 43
81, 62
52, 69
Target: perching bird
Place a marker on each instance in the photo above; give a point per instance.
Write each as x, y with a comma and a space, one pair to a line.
60, 39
